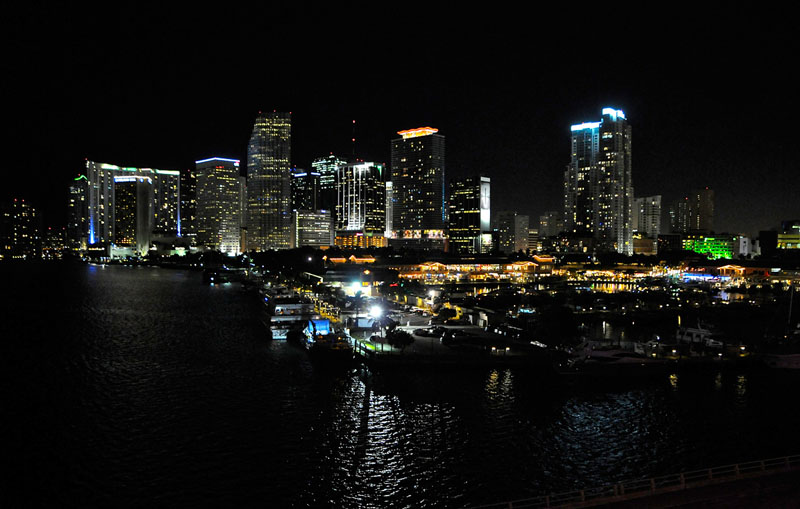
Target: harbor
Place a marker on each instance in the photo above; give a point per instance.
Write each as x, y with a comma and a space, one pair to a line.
617, 326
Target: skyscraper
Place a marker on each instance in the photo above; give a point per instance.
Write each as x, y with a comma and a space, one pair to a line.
418, 172
701, 210
469, 213
305, 190
219, 212
693, 213
189, 205
269, 182
647, 216
327, 168
164, 196
77, 214
598, 186
361, 198
312, 228
133, 214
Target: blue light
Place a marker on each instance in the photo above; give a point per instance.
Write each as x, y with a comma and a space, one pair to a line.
217, 159
613, 113
585, 125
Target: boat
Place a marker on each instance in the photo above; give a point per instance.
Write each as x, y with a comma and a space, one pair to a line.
613, 361
335, 348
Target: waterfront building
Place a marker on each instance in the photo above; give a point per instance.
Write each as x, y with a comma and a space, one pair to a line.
167, 203
133, 215
436, 272
716, 246
312, 228
269, 182
20, 231
361, 198
647, 216
305, 190
54, 243
598, 186
77, 214
164, 206
469, 214
418, 175
219, 204
189, 205
327, 167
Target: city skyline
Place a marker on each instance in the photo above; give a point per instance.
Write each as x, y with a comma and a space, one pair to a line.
703, 111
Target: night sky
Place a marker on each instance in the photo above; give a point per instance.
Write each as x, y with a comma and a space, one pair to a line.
711, 97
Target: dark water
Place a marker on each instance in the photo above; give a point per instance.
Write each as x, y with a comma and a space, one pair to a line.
142, 387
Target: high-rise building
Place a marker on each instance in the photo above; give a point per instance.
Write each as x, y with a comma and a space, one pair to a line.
389, 209
418, 173
598, 186
693, 213
134, 213
164, 195
647, 216
167, 202
701, 210
512, 231
20, 232
219, 204
551, 223
469, 216
312, 228
269, 182
77, 214
305, 190
327, 167
679, 216
189, 205
361, 198
534, 243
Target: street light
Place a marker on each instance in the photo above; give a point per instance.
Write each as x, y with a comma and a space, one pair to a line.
376, 312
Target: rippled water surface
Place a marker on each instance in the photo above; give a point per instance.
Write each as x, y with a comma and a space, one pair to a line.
141, 386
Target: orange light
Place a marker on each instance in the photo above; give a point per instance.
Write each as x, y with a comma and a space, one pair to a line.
419, 131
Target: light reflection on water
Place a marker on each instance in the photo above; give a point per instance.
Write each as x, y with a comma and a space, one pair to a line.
144, 385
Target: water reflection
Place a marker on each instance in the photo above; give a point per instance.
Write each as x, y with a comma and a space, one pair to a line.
161, 388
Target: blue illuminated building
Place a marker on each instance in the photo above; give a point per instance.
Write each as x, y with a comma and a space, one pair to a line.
598, 186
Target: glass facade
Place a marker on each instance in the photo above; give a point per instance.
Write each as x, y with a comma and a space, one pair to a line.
598, 186
361, 198
418, 173
165, 199
219, 204
269, 182
305, 190
464, 215
327, 168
